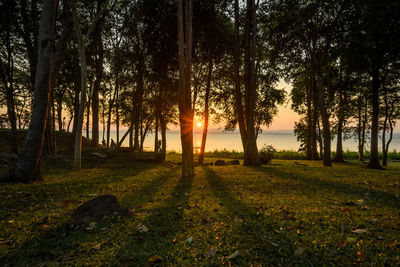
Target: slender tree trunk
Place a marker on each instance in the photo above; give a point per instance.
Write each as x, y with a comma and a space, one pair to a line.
82, 58
339, 142
386, 150
326, 130
163, 125
251, 157
28, 166
97, 39
309, 152
7, 76
117, 105
12, 118
374, 160
156, 130
110, 107
206, 103
184, 92
59, 113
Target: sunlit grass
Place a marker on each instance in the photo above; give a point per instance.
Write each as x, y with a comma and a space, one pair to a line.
289, 213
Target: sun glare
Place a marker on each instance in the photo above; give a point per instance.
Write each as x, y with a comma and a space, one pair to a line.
199, 124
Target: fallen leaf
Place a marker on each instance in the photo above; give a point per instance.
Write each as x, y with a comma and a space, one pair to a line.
97, 246
142, 228
299, 251
155, 259
91, 226
274, 244
360, 231
190, 239
44, 227
211, 252
234, 255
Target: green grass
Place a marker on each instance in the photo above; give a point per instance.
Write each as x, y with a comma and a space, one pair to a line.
266, 213
295, 155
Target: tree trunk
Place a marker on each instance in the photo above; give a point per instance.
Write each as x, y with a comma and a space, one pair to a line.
28, 166
12, 118
117, 105
374, 160
82, 58
339, 142
184, 92
251, 157
238, 92
206, 103
326, 130
156, 112
163, 125
97, 39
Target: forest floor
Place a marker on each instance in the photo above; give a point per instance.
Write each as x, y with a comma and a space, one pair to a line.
288, 213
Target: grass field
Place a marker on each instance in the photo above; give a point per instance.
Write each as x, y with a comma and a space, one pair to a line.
288, 213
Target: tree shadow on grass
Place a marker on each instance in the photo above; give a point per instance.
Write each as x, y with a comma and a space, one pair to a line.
381, 197
255, 232
163, 223
43, 193
51, 245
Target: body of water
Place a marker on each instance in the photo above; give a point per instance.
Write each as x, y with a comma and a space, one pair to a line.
280, 140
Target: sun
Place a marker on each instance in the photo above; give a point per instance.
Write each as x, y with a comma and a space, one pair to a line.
199, 124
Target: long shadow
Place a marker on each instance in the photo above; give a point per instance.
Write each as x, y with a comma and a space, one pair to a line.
52, 245
381, 197
256, 233
163, 223
44, 192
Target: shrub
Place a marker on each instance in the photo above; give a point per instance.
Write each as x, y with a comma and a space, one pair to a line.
266, 154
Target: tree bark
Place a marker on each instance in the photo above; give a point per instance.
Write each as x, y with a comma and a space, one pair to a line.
206, 103
77, 164
339, 141
238, 92
28, 166
97, 40
251, 157
374, 160
184, 92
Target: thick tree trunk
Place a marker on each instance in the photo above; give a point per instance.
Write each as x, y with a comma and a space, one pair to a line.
184, 92
374, 160
206, 103
28, 166
251, 157
238, 93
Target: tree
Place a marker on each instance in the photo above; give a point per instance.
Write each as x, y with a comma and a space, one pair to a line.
28, 166
82, 42
184, 91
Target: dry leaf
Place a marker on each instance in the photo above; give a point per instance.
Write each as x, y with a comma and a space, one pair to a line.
360, 231
155, 259
97, 246
142, 228
234, 255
